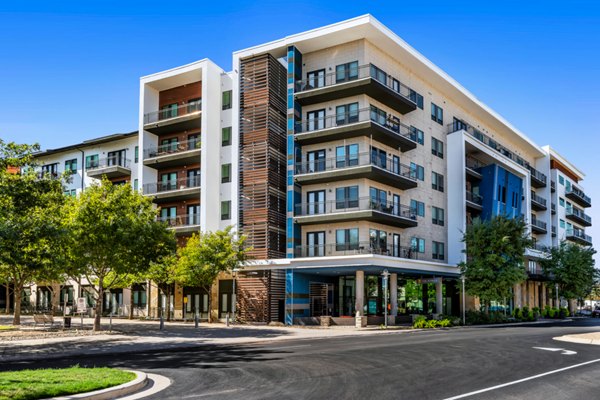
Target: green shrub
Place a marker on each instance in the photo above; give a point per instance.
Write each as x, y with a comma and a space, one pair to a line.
546, 312
525, 312
420, 322
445, 323
563, 312
516, 312
551, 313
530, 316
519, 315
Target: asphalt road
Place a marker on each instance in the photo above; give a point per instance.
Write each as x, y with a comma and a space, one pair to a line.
419, 365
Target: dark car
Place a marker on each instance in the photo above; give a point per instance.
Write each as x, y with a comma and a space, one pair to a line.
596, 313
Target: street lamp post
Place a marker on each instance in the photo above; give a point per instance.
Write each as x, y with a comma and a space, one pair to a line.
556, 287
234, 296
385, 275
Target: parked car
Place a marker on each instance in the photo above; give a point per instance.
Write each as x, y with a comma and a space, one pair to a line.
596, 313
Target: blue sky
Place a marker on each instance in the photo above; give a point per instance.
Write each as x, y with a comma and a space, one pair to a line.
69, 70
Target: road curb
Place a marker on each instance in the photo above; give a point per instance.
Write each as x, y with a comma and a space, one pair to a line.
571, 339
133, 386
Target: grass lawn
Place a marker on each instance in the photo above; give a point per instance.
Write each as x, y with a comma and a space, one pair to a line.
6, 327
43, 383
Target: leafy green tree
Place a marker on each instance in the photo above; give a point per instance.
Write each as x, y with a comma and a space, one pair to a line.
494, 264
572, 268
206, 255
114, 234
163, 274
32, 229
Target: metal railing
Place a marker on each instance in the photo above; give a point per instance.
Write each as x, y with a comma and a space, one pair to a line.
171, 185
352, 74
109, 162
172, 148
372, 113
538, 199
474, 198
553, 185
181, 220
540, 224
537, 174
177, 110
355, 160
354, 248
554, 229
553, 207
579, 193
349, 205
576, 212
580, 234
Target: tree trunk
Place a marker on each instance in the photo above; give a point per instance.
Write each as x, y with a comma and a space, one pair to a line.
7, 298
209, 305
131, 302
168, 305
98, 307
18, 290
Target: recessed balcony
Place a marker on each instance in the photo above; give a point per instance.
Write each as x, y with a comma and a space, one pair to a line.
472, 166
578, 236
111, 167
362, 209
174, 118
174, 190
388, 170
578, 196
370, 122
538, 226
538, 203
173, 154
474, 201
538, 180
182, 224
366, 79
578, 216
355, 248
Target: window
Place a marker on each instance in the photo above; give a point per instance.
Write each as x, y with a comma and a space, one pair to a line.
418, 207
168, 111
437, 114
72, 192
193, 177
417, 171
417, 135
137, 154
561, 180
378, 157
378, 116
315, 244
378, 74
417, 98
346, 114
225, 173
437, 251
169, 145
51, 169
561, 202
315, 161
562, 223
346, 197
378, 240
346, 239
567, 185
417, 244
194, 142
346, 156
315, 202
116, 158
437, 181
194, 105
135, 184
226, 136
315, 120
227, 100
168, 181
437, 216
378, 199
226, 210
71, 165
437, 147
168, 215
316, 79
91, 161
346, 72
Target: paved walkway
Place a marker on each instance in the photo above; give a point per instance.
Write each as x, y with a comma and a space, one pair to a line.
586, 338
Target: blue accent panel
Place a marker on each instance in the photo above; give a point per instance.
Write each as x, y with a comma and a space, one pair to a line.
289, 300
290, 204
502, 192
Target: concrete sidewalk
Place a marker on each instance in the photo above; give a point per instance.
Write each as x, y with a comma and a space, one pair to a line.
585, 338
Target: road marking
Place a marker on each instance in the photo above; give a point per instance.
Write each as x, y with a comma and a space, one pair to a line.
462, 396
193, 396
564, 351
288, 347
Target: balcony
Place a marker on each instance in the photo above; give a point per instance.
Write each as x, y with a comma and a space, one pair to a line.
553, 231
579, 236
180, 117
180, 224
538, 180
538, 226
553, 186
553, 208
112, 167
363, 209
174, 190
578, 216
366, 79
371, 122
386, 171
472, 166
474, 201
355, 248
538, 203
173, 154
578, 196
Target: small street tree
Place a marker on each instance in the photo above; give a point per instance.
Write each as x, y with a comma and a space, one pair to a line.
206, 255
31, 221
494, 264
571, 267
114, 234
163, 274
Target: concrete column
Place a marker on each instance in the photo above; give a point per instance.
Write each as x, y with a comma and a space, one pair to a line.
523, 294
517, 295
543, 295
359, 303
394, 294
531, 290
439, 299
536, 294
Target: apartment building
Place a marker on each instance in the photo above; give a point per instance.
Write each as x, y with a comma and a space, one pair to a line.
354, 165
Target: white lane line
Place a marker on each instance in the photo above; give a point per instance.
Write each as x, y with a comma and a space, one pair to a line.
462, 396
287, 347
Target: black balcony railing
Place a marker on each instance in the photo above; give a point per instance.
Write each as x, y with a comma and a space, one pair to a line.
355, 73
539, 224
355, 248
350, 205
538, 199
474, 198
577, 213
390, 164
579, 234
535, 174
172, 148
181, 220
109, 162
577, 192
172, 185
177, 110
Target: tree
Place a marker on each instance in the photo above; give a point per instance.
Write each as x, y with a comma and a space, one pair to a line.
31, 221
163, 274
114, 234
206, 255
494, 264
571, 267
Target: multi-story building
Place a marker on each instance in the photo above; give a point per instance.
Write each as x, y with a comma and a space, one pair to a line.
354, 165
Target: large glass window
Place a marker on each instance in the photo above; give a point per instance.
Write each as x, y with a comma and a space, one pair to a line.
437, 147
346, 114
346, 197
315, 120
378, 241
226, 136
226, 210
378, 115
315, 202
417, 171
71, 165
346, 239
315, 79
346, 72
225, 173
315, 244
378, 74
417, 98
378, 157
437, 216
417, 244
315, 161
418, 207
437, 114
378, 199
226, 100
437, 251
346, 156
417, 135
437, 181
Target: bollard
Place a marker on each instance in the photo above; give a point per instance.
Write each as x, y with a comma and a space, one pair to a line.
162, 322
227, 320
110, 323
196, 320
